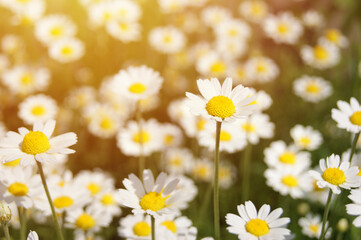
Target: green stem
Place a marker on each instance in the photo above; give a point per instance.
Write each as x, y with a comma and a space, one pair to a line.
354, 146
246, 172
206, 197
22, 216
216, 183
41, 172
6, 232
140, 134
152, 222
325, 215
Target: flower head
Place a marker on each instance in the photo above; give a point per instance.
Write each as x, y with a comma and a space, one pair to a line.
348, 116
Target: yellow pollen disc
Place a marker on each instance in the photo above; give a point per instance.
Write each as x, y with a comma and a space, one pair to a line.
152, 201
18, 189
290, 181
305, 141
93, 188
200, 124
167, 39
85, 222
170, 225
168, 139
137, 88
283, 28
201, 172
288, 158
106, 124
107, 199
12, 163
359, 172
314, 228
248, 127
257, 8
142, 229
38, 110
218, 67
224, 173
225, 136
176, 161
67, 50
232, 32
124, 26
63, 202
320, 52
261, 68
334, 176
107, 16
27, 79
56, 31
35, 143
257, 227
61, 183
220, 106
356, 118
333, 35
313, 88
141, 138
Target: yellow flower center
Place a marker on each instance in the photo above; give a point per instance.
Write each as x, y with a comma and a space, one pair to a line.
314, 228
63, 202
35, 143
176, 161
218, 67
167, 39
107, 199
124, 26
356, 118
143, 137
38, 110
257, 227
224, 173
170, 225
305, 141
225, 136
313, 88
220, 106
27, 79
359, 172
333, 35
18, 189
200, 124
85, 222
201, 172
67, 50
56, 31
152, 201
248, 127
168, 139
261, 67
12, 163
283, 28
334, 176
232, 32
137, 88
93, 188
290, 181
257, 8
142, 229
107, 123
320, 52
288, 158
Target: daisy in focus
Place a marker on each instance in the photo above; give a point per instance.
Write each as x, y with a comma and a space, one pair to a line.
264, 225
221, 103
312, 89
36, 144
336, 175
355, 207
348, 116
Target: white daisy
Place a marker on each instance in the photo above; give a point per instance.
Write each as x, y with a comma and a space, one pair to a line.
135, 227
227, 175
334, 36
233, 29
263, 101
202, 170
36, 144
10, 44
231, 49
180, 226
124, 31
264, 225
101, 13
254, 11
171, 135
336, 175
312, 89
214, 15
348, 116
212, 64
81, 97
150, 196
104, 125
312, 225
67, 50
221, 103
323, 55
167, 40
261, 69
312, 19
127, 10
108, 201
172, 6
355, 207
37, 108
95, 182
177, 160
306, 137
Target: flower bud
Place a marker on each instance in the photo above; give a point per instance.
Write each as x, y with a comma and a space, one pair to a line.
5, 213
342, 225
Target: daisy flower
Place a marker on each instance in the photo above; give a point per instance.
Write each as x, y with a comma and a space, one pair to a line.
172, 6
81, 97
124, 31
202, 170
227, 175
150, 196
180, 226
264, 225
312, 19
334, 36
213, 64
336, 175
284, 28
263, 101
135, 227
167, 40
38, 108
101, 13
221, 103
348, 116
311, 226
323, 55
317, 194
355, 207
10, 44
254, 11
36, 144
312, 89
95, 182
127, 10
177, 160
261, 69
214, 15
104, 125
67, 50
233, 29
238, 74
231, 49
256, 126
305, 137
171, 134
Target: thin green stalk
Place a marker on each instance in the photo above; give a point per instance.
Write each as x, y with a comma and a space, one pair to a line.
216, 184
6, 231
41, 172
325, 215
140, 134
152, 222
22, 216
354, 146
205, 203
246, 172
